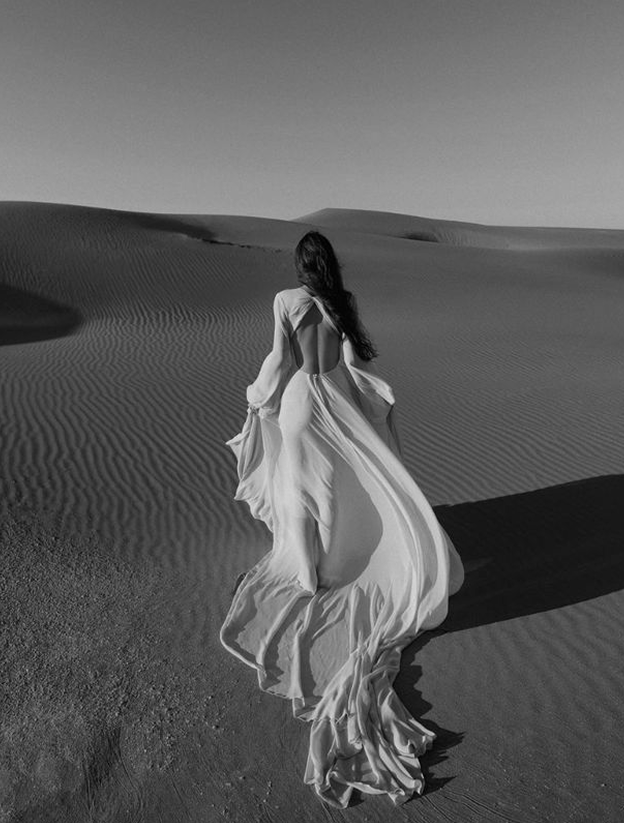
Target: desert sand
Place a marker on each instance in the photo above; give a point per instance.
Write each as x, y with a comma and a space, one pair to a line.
127, 343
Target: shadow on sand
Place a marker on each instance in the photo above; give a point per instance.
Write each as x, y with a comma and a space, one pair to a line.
26, 317
536, 551
412, 699
525, 553
188, 225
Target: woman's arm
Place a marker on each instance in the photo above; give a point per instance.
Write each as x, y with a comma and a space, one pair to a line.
265, 393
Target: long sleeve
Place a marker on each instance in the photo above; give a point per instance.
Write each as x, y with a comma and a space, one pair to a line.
258, 445
265, 393
375, 395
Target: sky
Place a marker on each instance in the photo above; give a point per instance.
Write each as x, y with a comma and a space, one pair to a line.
508, 112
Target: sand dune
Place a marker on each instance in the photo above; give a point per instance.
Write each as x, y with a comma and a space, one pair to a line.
455, 233
121, 541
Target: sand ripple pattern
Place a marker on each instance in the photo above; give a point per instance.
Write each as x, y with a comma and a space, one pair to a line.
118, 429
505, 364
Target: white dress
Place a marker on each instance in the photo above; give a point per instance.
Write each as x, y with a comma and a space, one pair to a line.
358, 568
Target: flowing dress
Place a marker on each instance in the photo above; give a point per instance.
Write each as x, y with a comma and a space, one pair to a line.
358, 568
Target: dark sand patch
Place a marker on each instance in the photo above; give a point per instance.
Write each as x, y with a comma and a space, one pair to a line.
98, 690
26, 317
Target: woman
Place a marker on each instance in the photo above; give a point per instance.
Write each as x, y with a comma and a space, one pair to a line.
359, 564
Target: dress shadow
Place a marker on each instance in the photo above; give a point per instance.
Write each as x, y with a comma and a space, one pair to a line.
523, 554
540, 550
405, 686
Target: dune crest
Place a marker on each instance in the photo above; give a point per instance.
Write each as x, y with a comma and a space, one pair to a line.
457, 233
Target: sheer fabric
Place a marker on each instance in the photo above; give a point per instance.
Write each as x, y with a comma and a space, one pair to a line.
358, 568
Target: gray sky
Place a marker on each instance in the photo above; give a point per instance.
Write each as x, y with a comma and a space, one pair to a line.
498, 111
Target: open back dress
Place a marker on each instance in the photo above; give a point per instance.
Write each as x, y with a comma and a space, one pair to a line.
359, 564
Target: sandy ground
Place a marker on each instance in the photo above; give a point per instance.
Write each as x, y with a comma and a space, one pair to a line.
127, 341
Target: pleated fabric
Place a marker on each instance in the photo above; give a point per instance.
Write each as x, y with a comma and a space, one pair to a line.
359, 565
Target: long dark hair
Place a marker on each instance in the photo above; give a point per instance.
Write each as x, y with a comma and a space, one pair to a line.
318, 269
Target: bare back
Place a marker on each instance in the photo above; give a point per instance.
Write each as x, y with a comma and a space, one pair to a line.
316, 343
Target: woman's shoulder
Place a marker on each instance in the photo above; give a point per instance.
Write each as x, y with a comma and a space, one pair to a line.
287, 305
291, 297
292, 304
292, 294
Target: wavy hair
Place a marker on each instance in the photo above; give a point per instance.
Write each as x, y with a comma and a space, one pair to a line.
318, 269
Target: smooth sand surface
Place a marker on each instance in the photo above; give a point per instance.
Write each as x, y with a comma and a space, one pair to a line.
127, 342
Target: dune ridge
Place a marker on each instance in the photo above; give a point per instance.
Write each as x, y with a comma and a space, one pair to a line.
457, 233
